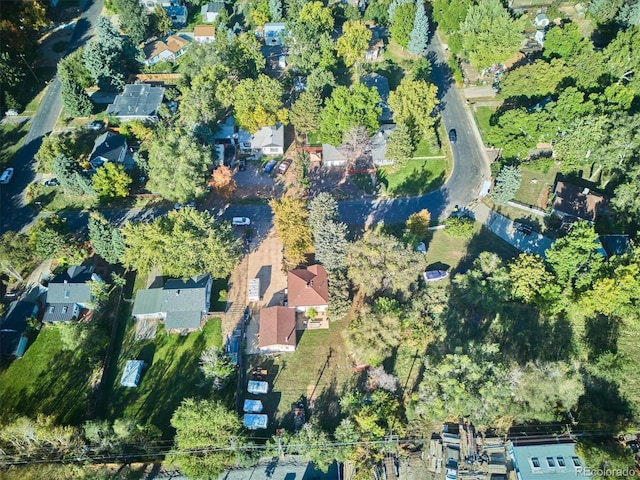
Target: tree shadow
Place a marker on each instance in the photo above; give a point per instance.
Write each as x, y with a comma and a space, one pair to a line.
602, 404
601, 335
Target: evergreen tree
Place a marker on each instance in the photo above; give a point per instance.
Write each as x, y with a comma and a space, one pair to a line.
275, 8
107, 241
402, 23
134, 19
507, 184
400, 146
104, 56
329, 233
419, 36
67, 170
75, 99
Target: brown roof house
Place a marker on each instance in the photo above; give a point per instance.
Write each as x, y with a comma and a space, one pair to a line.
573, 203
167, 51
308, 295
277, 329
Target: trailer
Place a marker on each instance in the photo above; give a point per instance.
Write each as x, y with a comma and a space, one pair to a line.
254, 290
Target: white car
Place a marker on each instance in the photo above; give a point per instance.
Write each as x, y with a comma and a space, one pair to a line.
240, 221
95, 126
6, 177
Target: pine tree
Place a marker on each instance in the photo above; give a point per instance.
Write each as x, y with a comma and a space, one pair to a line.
275, 8
507, 184
419, 36
400, 145
76, 101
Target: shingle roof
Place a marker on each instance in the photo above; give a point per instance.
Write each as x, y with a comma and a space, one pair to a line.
212, 7
71, 286
204, 31
332, 154
59, 312
148, 301
308, 287
268, 137
277, 326
578, 202
13, 324
137, 100
108, 146
379, 82
176, 43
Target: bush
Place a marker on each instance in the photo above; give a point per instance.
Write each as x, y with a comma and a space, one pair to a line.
459, 227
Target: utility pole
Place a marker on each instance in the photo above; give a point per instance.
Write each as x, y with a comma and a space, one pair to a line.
29, 67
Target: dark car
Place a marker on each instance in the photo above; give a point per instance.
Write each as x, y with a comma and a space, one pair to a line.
270, 166
522, 228
453, 136
52, 182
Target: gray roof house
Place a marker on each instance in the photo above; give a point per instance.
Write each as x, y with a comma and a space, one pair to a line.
381, 84
180, 303
379, 144
68, 293
269, 140
138, 101
13, 327
108, 147
210, 11
177, 14
332, 157
273, 33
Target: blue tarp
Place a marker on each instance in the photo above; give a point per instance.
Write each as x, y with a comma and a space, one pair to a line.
254, 422
252, 406
257, 387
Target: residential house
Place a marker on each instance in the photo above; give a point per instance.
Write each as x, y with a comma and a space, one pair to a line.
151, 5
277, 329
204, 33
108, 147
269, 140
226, 131
555, 460
572, 203
381, 84
138, 101
177, 14
210, 11
69, 293
332, 157
308, 295
13, 328
379, 144
164, 51
273, 34
181, 304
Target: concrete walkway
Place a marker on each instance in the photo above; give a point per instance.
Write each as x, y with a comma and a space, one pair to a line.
506, 230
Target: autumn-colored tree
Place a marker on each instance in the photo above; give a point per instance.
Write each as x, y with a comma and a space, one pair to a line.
223, 182
292, 226
418, 223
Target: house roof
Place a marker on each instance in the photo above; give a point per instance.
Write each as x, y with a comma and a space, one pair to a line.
277, 326
148, 301
577, 201
137, 100
225, 130
59, 312
155, 48
379, 143
268, 137
204, 31
524, 462
176, 43
13, 324
176, 10
332, 154
212, 7
108, 146
379, 82
308, 287
71, 286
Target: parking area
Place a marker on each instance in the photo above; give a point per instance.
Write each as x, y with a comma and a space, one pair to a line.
254, 183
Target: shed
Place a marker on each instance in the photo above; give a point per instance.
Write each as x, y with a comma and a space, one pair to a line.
254, 421
257, 388
252, 406
131, 374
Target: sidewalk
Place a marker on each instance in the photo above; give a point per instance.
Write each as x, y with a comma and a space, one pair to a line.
504, 228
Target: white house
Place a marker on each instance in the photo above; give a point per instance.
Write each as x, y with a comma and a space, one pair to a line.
210, 11
167, 51
204, 33
269, 140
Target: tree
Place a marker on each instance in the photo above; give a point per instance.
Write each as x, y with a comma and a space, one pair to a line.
223, 182
373, 334
291, 221
134, 19
305, 112
489, 34
217, 367
211, 428
541, 79
52, 146
316, 16
182, 244
111, 181
104, 56
606, 456
400, 146
413, 104
178, 165
258, 103
449, 14
48, 237
106, 240
353, 42
529, 278
563, 41
275, 9
329, 233
339, 294
70, 176
460, 227
629, 15
15, 254
615, 294
402, 23
160, 21
320, 82
348, 108
418, 223
419, 37
356, 146
75, 100
260, 14
379, 263
209, 96
507, 184
604, 10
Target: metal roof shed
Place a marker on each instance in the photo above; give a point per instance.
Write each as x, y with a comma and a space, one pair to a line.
131, 374
253, 421
257, 387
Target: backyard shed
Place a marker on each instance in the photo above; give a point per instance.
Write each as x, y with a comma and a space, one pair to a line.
131, 374
257, 387
254, 421
252, 406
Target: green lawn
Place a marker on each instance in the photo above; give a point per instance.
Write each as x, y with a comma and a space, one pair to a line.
53, 199
483, 116
414, 177
313, 139
535, 186
48, 380
171, 373
425, 149
11, 138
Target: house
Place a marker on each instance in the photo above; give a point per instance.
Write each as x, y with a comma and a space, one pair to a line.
131, 374
177, 14
69, 293
551, 460
138, 101
273, 33
210, 11
277, 329
204, 33
225, 132
13, 328
164, 51
376, 43
332, 157
379, 144
151, 5
572, 203
308, 288
108, 147
541, 21
269, 140
181, 304
381, 84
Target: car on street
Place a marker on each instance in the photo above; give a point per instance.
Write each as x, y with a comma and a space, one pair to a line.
6, 177
240, 221
52, 182
284, 166
268, 168
95, 126
453, 135
434, 275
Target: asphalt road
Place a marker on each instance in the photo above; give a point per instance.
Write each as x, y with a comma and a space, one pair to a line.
14, 213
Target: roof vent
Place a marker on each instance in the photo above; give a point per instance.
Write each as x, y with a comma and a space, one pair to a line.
585, 191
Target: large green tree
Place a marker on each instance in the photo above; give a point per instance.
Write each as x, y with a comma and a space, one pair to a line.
182, 243
72, 179
106, 239
413, 104
305, 112
449, 14
353, 42
104, 56
15, 254
400, 146
309, 39
258, 103
564, 41
111, 181
134, 19
419, 36
507, 184
329, 233
208, 97
402, 23
540, 78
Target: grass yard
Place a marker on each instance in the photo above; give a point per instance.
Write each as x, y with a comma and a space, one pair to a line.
535, 186
318, 371
53, 199
414, 177
11, 138
48, 380
425, 149
398, 55
483, 117
171, 373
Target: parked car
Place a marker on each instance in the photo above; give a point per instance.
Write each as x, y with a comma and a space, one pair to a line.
434, 275
52, 182
284, 166
242, 165
270, 166
240, 221
95, 126
6, 177
453, 135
